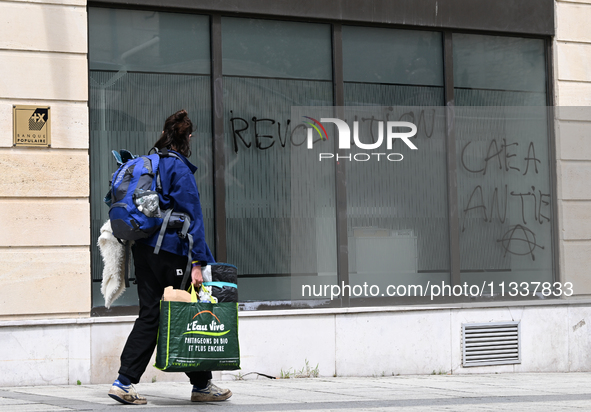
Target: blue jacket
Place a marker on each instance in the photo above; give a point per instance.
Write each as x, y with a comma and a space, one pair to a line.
179, 192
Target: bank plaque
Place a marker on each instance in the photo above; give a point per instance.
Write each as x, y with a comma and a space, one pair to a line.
31, 126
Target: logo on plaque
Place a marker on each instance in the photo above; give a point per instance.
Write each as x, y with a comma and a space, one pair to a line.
32, 126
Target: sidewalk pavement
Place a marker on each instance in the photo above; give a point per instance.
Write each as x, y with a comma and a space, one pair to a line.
498, 392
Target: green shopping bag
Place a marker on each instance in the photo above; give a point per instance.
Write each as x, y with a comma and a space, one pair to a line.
197, 336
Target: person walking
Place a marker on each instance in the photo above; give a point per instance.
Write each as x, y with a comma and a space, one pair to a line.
154, 272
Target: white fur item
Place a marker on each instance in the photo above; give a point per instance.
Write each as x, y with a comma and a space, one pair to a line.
113, 254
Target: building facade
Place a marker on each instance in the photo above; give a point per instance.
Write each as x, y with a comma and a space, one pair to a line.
494, 202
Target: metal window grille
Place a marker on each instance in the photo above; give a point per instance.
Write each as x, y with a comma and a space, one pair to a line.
495, 343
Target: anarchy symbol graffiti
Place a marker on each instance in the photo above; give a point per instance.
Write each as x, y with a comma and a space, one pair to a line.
519, 240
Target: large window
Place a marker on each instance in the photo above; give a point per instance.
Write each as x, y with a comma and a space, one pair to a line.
473, 204
397, 224
504, 190
144, 66
280, 209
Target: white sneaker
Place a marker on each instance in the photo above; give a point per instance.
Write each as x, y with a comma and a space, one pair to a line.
126, 394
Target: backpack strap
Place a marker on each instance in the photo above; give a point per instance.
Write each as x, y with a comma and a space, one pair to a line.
184, 233
167, 214
189, 266
162, 153
158, 182
127, 254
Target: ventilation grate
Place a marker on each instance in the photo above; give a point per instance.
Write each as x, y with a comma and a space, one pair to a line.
486, 344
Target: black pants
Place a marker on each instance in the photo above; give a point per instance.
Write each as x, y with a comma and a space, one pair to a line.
153, 273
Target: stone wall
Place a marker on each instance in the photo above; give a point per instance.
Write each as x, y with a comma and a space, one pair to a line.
340, 342
45, 234
572, 82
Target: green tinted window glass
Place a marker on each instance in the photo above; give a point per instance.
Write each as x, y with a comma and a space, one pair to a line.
268, 48
131, 95
280, 225
147, 41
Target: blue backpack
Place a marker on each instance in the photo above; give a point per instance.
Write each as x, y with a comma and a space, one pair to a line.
134, 205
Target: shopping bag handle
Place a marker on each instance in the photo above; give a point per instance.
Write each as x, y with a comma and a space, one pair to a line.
193, 294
